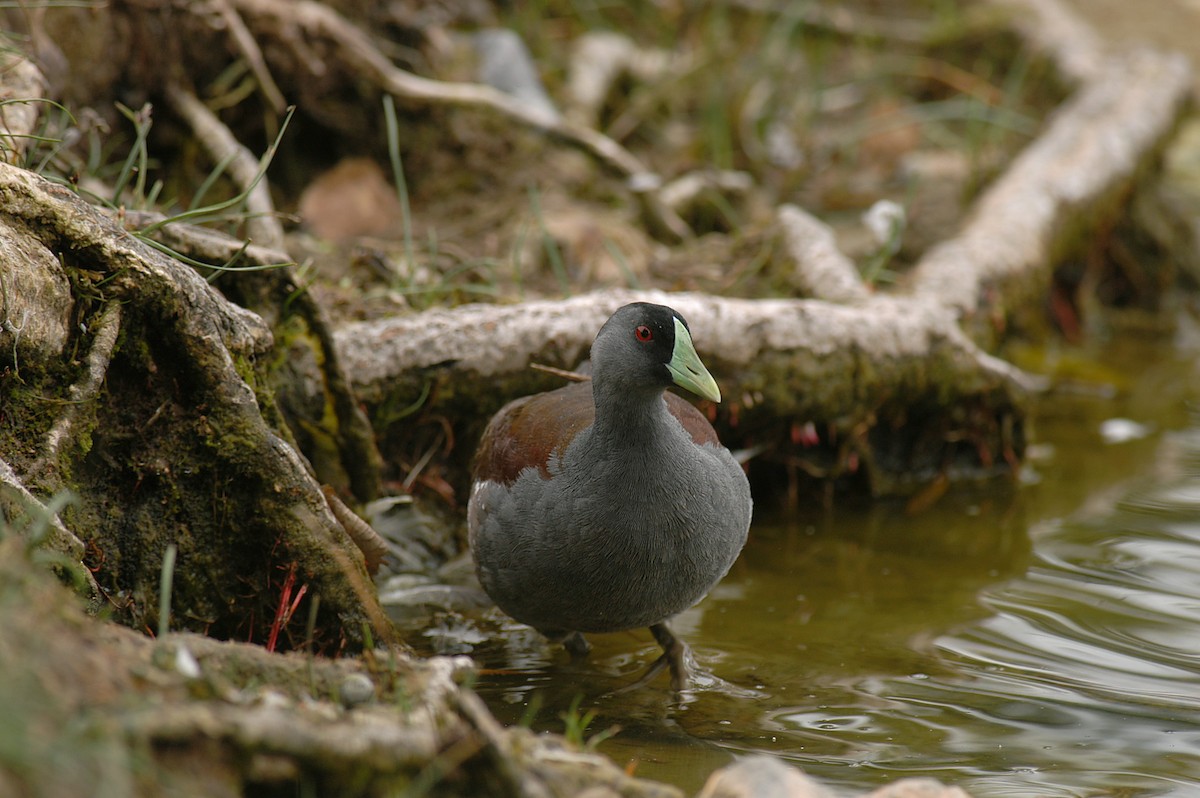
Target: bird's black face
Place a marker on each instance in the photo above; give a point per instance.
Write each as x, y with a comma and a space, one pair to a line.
647, 346
653, 331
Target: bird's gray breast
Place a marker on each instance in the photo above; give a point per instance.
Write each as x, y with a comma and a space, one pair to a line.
611, 541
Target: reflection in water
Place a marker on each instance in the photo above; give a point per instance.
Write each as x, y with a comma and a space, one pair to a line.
1033, 640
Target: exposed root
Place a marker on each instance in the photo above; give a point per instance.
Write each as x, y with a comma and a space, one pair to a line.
1053, 28
204, 341
821, 271
357, 49
17, 501
498, 744
1090, 154
95, 366
600, 60
355, 438
21, 87
243, 40
205, 244
369, 542
261, 222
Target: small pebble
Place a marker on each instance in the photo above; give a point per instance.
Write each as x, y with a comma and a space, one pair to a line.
186, 664
356, 689
1122, 430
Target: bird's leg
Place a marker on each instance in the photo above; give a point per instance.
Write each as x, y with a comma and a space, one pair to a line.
675, 652
674, 656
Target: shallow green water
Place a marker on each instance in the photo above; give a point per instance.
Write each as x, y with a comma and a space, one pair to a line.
1040, 638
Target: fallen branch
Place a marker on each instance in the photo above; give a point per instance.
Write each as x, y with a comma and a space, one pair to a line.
821, 270
780, 362
1096, 147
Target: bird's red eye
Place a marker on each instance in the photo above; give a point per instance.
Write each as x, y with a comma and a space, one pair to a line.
644, 333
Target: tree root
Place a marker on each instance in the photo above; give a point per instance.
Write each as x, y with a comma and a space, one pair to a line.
104, 341
373, 547
267, 503
854, 368
262, 225
268, 290
244, 41
21, 87
17, 502
779, 360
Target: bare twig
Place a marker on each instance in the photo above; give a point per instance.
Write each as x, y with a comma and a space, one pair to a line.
571, 376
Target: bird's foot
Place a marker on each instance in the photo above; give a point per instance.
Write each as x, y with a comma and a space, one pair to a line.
574, 642
674, 656
577, 645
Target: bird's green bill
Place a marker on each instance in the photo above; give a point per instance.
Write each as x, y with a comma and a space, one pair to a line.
686, 368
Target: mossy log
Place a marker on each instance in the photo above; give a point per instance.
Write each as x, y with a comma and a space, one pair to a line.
853, 372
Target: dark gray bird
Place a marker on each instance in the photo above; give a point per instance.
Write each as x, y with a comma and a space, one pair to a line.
610, 505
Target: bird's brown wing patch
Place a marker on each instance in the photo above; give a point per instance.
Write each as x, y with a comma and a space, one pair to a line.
693, 420
527, 431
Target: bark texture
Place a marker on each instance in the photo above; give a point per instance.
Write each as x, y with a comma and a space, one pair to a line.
160, 432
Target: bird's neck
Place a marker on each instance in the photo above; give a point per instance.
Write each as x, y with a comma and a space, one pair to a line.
635, 419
